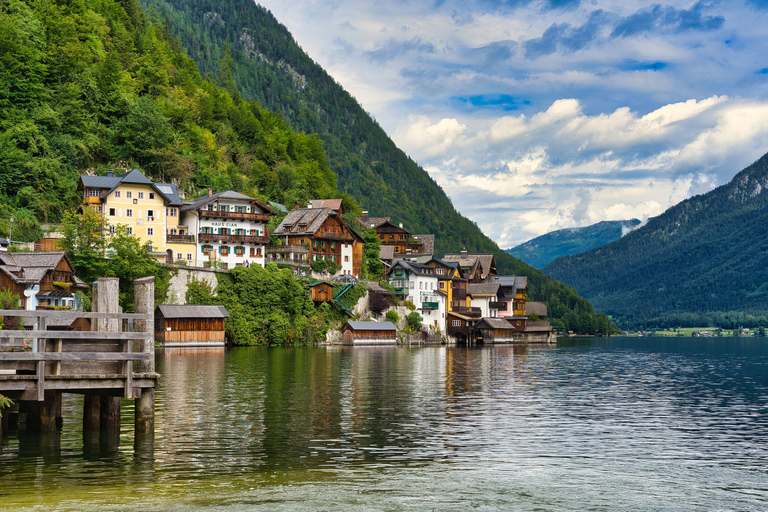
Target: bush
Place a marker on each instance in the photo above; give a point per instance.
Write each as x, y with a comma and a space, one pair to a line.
378, 302
392, 316
413, 322
410, 305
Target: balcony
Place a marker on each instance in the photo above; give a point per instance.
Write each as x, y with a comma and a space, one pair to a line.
92, 200
289, 261
430, 305
233, 238
279, 249
459, 293
471, 312
180, 238
335, 236
215, 214
501, 306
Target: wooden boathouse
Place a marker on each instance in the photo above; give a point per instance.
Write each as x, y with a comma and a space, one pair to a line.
495, 330
369, 333
190, 326
114, 360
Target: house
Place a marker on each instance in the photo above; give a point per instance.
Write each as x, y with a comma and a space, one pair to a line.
419, 283
190, 326
230, 227
334, 204
315, 234
151, 211
476, 268
488, 297
514, 289
369, 333
42, 280
539, 332
320, 291
404, 243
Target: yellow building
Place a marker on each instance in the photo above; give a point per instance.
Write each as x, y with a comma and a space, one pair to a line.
151, 211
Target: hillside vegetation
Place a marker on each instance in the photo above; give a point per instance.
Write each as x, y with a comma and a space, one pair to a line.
269, 67
543, 249
702, 262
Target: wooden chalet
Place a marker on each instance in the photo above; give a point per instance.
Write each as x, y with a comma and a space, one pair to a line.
405, 244
313, 234
42, 280
320, 291
190, 326
514, 290
461, 327
369, 333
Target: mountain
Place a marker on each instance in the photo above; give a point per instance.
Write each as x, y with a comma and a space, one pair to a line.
240, 41
703, 260
541, 250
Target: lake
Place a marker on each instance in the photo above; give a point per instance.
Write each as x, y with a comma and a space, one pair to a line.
589, 424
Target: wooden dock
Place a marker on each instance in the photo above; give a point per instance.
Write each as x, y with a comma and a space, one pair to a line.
112, 361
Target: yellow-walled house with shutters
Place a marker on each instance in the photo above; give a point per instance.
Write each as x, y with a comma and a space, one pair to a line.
151, 211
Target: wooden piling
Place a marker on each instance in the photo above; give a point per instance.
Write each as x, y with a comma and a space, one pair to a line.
45, 416
144, 410
91, 411
106, 300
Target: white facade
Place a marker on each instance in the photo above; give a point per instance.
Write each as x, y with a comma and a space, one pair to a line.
423, 289
347, 258
229, 232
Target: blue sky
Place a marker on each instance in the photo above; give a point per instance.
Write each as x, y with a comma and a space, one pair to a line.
535, 115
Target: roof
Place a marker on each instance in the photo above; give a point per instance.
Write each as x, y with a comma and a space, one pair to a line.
134, 176
372, 326
519, 282
538, 308
311, 285
333, 204
307, 221
419, 269
175, 311
277, 206
538, 327
369, 222
483, 289
224, 194
386, 252
494, 323
467, 260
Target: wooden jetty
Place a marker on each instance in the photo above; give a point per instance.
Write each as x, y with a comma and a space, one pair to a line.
112, 361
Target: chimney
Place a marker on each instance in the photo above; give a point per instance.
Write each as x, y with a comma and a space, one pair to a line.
464, 251
296, 206
401, 225
110, 174
365, 214
210, 192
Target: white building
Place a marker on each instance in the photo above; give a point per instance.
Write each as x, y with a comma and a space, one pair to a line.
231, 229
418, 283
488, 298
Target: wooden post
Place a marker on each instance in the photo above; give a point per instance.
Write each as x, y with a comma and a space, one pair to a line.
107, 301
144, 410
45, 416
92, 402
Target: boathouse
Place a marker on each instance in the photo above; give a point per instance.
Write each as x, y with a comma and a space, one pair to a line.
495, 330
369, 333
190, 326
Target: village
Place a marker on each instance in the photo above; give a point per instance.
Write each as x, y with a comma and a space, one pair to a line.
459, 298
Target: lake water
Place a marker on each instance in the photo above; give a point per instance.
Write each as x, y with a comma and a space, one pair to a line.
593, 424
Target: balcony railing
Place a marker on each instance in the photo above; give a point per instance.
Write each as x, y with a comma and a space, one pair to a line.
215, 214
234, 238
459, 293
180, 238
501, 306
335, 236
399, 283
291, 261
463, 310
430, 305
302, 248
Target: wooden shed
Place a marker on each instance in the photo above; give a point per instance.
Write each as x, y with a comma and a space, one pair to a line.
369, 333
320, 291
495, 330
190, 326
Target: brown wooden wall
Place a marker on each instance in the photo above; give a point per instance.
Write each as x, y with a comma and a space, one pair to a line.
189, 329
321, 293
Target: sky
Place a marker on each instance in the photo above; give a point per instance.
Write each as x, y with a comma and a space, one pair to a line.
537, 115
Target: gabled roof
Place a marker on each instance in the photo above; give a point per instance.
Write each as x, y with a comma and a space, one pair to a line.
372, 326
176, 311
419, 269
519, 282
485, 261
494, 323
135, 177
486, 289
333, 204
307, 222
386, 252
538, 308
205, 200
316, 283
30, 267
372, 222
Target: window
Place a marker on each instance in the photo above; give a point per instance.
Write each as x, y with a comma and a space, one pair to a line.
173, 212
111, 230
258, 251
253, 252
117, 194
97, 207
150, 231
151, 195
189, 256
179, 256
210, 207
441, 285
130, 230
129, 212
112, 212
150, 214
128, 194
173, 231
240, 209
346, 258
456, 323
141, 195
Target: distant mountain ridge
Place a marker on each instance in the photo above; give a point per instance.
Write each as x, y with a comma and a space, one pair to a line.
543, 249
704, 259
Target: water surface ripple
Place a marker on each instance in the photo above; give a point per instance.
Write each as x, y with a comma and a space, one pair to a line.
594, 424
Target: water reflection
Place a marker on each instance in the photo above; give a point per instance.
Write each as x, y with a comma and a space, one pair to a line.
590, 424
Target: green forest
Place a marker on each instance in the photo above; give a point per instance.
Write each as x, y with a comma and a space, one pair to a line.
702, 262
91, 85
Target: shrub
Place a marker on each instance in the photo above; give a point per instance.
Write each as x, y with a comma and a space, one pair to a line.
410, 305
413, 321
392, 316
378, 302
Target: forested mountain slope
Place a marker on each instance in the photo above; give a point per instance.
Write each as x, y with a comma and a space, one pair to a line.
240, 39
703, 260
543, 249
